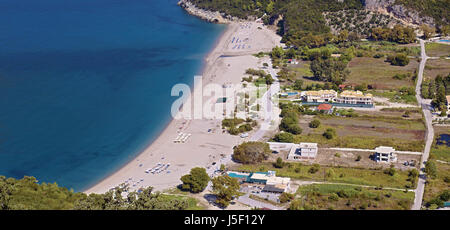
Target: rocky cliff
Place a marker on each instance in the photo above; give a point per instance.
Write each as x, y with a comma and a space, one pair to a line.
398, 11
210, 16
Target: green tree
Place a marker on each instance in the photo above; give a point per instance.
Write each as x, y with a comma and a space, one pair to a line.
196, 181
251, 152
428, 31
225, 188
298, 84
331, 70
430, 169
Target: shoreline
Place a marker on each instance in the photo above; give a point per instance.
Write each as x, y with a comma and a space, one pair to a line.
203, 69
204, 147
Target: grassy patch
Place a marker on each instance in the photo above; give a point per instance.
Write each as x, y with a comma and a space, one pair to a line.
359, 176
437, 49
395, 96
367, 132
329, 196
378, 73
193, 203
436, 186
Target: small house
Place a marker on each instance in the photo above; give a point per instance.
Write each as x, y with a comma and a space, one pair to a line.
325, 108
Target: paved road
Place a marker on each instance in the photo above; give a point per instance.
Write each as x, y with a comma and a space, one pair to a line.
426, 107
267, 100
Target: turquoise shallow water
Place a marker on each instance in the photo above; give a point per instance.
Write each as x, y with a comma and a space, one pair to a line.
85, 84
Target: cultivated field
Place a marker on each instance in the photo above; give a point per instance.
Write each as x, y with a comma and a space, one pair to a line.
437, 50
379, 74
436, 67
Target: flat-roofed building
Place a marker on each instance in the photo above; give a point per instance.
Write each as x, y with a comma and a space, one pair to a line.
354, 98
303, 151
385, 154
270, 179
275, 188
320, 96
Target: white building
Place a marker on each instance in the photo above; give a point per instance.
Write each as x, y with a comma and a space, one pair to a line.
303, 151
385, 154
355, 98
320, 96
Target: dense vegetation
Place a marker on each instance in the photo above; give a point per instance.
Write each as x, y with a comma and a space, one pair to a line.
27, 194
437, 90
305, 22
251, 152
225, 188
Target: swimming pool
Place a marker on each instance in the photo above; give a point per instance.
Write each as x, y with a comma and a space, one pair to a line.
445, 40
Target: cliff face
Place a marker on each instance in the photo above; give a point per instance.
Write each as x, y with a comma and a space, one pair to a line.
398, 11
210, 16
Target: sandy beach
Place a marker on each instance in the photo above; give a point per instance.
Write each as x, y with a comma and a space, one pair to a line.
205, 142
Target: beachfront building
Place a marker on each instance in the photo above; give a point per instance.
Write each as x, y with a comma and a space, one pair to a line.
303, 151
269, 179
320, 96
385, 154
354, 98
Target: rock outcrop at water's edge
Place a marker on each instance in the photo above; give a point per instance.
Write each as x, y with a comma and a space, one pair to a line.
406, 15
210, 16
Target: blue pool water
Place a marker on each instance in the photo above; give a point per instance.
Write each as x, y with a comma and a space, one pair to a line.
444, 40
444, 139
85, 84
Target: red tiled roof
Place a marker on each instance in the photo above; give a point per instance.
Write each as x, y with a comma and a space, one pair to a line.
324, 107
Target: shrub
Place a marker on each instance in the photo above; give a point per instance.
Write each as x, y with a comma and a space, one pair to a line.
286, 197
284, 137
279, 163
430, 169
314, 124
398, 60
314, 168
329, 133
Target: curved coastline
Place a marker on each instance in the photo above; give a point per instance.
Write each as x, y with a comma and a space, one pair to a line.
207, 143
169, 128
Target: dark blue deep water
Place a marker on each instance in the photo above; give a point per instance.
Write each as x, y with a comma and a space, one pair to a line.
85, 84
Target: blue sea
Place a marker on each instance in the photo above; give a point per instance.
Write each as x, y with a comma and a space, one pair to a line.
85, 84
